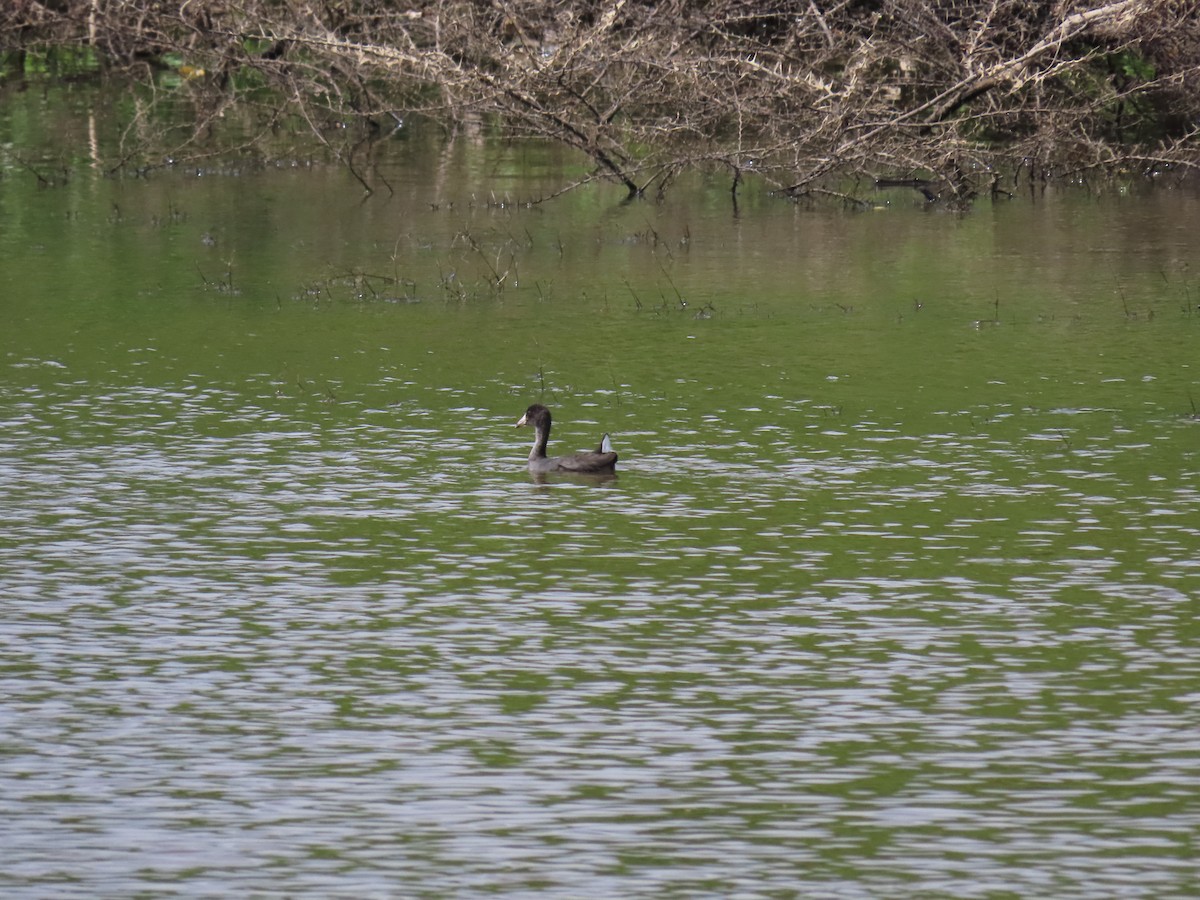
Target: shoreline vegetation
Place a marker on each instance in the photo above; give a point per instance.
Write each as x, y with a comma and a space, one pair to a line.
815, 99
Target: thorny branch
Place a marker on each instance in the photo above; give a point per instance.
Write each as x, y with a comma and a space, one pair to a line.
950, 93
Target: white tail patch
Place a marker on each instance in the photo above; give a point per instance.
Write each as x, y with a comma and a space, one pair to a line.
606, 444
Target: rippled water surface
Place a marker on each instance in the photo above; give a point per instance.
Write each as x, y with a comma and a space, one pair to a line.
896, 593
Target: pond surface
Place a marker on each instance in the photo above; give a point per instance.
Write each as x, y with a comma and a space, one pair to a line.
897, 592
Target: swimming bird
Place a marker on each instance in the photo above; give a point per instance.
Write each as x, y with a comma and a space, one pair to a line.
601, 461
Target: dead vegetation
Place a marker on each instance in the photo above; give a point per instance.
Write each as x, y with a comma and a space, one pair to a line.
952, 97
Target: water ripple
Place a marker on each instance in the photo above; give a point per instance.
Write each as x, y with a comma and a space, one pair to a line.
256, 650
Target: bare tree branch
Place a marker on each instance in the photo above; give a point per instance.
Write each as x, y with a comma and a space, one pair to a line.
795, 93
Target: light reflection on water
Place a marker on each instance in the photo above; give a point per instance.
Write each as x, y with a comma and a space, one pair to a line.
251, 648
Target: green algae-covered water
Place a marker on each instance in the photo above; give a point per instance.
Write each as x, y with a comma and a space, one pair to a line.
896, 593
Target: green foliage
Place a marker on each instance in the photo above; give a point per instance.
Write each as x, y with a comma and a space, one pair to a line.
49, 61
1132, 66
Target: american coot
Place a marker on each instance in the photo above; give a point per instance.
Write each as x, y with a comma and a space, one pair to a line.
601, 461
